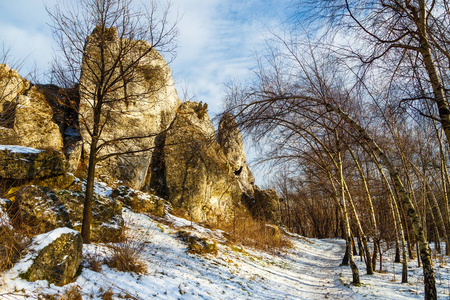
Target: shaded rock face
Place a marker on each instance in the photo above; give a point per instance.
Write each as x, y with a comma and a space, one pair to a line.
28, 163
26, 119
41, 209
197, 175
148, 107
230, 140
264, 205
54, 256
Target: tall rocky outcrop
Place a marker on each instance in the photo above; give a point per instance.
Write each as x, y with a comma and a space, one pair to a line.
262, 204
183, 161
26, 118
148, 107
230, 140
196, 173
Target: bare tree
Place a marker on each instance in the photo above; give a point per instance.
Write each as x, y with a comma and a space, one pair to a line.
295, 91
106, 49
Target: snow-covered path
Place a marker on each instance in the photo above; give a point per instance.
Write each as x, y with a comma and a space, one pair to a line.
308, 270
316, 269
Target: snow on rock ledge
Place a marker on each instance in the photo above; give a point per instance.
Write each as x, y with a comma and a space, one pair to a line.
18, 162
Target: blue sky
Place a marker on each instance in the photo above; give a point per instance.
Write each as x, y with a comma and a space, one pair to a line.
217, 40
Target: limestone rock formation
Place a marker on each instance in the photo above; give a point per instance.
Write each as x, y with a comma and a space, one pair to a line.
107, 222
18, 163
38, 210
264, 205
41, 209
196, 173
230, 139
26, 119
54, 256
139, 201
147, 107
11, 84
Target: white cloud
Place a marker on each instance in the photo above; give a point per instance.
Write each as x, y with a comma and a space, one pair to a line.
216, 43
33, 47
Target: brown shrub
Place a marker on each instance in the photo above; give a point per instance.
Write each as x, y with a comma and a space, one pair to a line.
93, 262
12, 243
257, 234
71, 293
125, 256
108, 295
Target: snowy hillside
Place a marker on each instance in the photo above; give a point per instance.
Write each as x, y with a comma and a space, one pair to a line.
309, 270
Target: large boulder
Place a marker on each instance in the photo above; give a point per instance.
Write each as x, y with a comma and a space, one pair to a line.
230, 140
19, 163
147, 107
41, 209
197, 175
26, 118
54, 256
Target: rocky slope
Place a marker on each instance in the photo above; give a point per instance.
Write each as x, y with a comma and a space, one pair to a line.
204, 175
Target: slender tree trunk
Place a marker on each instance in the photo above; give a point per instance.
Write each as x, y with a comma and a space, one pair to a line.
397, 220
354, 268
444, 114
360, 249
397, 251
370, 205
361, 234
87, 209
425, 253
445, 182
381, 259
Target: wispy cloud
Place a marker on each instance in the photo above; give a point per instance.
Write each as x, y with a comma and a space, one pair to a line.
217, 41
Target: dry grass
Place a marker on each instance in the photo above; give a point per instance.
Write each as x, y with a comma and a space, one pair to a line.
247, 231
93, 262
108, 295
12, 243
71, 293
257, 234
125, 256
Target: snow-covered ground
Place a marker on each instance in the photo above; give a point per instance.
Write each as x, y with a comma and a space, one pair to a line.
309, 270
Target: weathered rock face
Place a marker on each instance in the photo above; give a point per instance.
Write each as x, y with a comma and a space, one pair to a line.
107, 223
196, 173
26, 119
230, 139
27, 163
139, 201
265, 205
11, 84
146, 106
54, 256
41, 209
